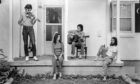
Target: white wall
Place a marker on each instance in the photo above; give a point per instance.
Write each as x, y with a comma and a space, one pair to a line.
92, 14
16, 28
130, 48
4, 26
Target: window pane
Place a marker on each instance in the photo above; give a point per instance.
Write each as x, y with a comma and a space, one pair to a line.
51, 29
114, 11
125, 10
113, 24
54, 15
125, 24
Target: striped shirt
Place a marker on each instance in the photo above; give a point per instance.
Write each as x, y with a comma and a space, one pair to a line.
58, 49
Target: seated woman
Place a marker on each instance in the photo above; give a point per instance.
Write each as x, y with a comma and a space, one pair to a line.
108, 53
57, 59
77, 39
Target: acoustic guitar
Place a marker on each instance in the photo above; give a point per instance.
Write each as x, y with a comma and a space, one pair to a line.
73, 38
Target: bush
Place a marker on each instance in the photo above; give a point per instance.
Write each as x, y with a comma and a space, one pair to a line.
4, 71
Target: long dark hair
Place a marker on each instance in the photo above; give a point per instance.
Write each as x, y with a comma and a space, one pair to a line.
115, 42
55, 38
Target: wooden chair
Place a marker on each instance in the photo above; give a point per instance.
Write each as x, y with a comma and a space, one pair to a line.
78, 48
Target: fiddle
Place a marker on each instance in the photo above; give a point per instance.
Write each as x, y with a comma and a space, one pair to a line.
30, 15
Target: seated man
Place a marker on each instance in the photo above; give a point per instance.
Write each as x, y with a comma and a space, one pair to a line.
76, 38
108, 54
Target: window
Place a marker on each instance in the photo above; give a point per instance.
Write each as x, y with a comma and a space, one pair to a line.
126, 17
53, 21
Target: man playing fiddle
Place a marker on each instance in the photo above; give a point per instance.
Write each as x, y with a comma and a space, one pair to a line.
27, 20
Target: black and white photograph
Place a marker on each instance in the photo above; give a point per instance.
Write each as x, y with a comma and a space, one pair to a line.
70, 42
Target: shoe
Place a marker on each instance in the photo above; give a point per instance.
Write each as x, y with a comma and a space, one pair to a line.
54, 77
35, 58
27, 58
60, 75
72, 57
104, 79
80, 57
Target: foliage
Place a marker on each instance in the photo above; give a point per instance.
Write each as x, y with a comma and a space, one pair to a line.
67, 79
22, 77
2, 55
4, 71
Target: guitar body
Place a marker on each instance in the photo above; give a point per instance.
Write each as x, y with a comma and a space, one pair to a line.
70, 38
73, 38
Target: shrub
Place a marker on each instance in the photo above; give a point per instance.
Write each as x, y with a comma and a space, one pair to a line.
4, 70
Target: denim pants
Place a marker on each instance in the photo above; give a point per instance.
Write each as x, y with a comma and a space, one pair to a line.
79, 44
107, 61
29, 31
57, 64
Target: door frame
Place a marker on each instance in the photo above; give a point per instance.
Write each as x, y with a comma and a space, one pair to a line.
48, 43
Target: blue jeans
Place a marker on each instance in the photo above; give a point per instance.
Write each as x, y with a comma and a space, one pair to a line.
29, 31
77, 44
107, 61
57, 64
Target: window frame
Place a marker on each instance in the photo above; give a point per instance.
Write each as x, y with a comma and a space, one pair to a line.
48, 44
132, 17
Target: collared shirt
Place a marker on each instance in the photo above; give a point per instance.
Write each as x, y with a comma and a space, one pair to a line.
25, 21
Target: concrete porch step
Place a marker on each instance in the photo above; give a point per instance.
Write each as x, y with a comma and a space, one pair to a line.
75, 66
91, 61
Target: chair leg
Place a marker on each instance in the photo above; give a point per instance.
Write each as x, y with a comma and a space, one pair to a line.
85, 52
76, 53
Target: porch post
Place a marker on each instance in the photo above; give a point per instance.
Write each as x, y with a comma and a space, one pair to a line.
118, 30
10, 58
65, 31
